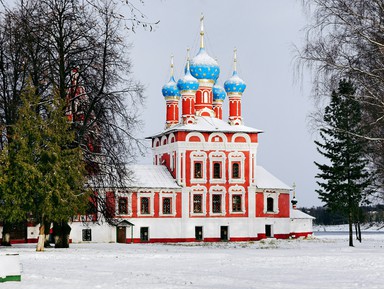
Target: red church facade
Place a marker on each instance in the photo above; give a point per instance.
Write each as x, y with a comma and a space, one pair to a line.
205, 183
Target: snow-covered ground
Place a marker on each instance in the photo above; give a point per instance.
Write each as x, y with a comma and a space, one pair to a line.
325, 261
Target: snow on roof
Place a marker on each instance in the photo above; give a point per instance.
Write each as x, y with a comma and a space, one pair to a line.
208, 124
152, 176
297, 214
265, 180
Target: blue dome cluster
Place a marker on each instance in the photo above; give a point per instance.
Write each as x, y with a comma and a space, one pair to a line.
170, 89
188, 82
218, 93
204, 67
235, 84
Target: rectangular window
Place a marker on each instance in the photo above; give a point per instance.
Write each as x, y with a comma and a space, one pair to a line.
123, 206
216, 203
268, 231
197, 203
235, 171
87, 235
236, 203
144, 234
199, 233
167, 207
144, 205
198, 174
216, 170
269, 204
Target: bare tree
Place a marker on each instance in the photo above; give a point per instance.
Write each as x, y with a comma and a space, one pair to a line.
345, 40
79, 49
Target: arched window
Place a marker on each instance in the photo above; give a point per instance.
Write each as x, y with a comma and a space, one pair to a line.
216, 204
236, 203
144, 205
197, 203
167, 207
205, 97
198, 171
123, 206
216, 171
269, 204
235, 171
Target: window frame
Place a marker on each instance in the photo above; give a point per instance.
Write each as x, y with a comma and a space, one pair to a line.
199, 202
237, 208
274, 195
213, 191
172, 195
217, 204
217, 170
198, 190
198, 157
164, 206
238, 175
270, 204
148, 206
119, 205
198, 170
237, 157
217, 158
237, 191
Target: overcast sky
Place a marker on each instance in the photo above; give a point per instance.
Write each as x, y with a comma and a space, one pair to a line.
264, 33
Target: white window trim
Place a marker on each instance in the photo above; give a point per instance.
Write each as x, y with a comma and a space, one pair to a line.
217, 190
236, 157
217, 157
198, 190
146, 194
128, 196
199, 156
237, 190
275, 196
172, 196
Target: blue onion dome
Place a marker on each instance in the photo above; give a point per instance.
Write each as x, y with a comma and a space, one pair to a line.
204, 66
188, 82
235, 83
170, 89
218, 93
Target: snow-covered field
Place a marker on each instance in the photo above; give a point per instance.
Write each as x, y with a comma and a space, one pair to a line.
323, 262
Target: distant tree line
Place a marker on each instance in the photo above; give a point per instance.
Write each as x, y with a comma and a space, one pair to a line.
324, 216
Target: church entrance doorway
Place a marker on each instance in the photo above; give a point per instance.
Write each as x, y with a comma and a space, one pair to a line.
121, 235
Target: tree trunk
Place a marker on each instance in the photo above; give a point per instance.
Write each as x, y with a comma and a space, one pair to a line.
6, 240
47, 227
41, 240
350, 229
358, 232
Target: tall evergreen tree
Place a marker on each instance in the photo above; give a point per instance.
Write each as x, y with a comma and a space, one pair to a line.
42, 174
345, 179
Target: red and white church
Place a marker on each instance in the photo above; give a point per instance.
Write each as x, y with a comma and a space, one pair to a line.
204, 184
